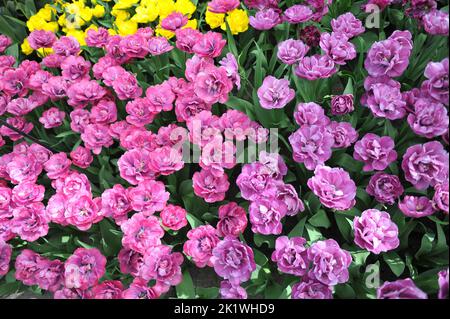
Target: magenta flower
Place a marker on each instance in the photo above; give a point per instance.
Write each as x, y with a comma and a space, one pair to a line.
200, 244
5, 42
212, 85
50, 275
148, 197
375, 232
275, 93
57, 166
385, 188
75, 68
210, 187
126, 86
265, 19
139, 289
275, 163
310, 114
232, 220
311, 289
27, 266
173, 217
187, 38
5, 257
163, 265
166, 160
134, 166
436, 22
437, 84
425, 165
329, 262
287, 194
311, 145
291, 51
416, 207
97, 38
385, 100
41, 39
291, 255
158, 45
315, 67
342, 104
261, 4
84, 92
337, 47
334, 187
223, 6
348, 25
174, 21
141, 232
297, 14
441, 197
233, 260
375, 152
108, 289
230, 64
115, 203
52, 117
84, 268
255, 180
21, 168
443, 284
429, 119
266, 215
230, 291
391, 56
96, 136
82, 211
130, 262
26, 193
400, 289
81, 157
343, 133
210, 45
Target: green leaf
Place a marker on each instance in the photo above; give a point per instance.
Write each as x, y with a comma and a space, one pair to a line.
320, 219
359, 257
344, 291
297, 231
241, 105
349, 87
260, 258
186, 289
193, 221
112, 241
394, 262
67, 133
345, 226
426, 244
263, 239
313, 233
207, 293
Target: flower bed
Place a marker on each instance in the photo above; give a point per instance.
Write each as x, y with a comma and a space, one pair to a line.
280, 149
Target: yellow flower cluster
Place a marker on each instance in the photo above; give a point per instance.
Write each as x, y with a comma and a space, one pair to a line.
237, 20
123, 17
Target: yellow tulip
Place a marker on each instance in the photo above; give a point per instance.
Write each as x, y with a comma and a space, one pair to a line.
214, 20
237, 20
25, 47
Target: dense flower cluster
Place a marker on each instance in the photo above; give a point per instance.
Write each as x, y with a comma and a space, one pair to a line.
142, 138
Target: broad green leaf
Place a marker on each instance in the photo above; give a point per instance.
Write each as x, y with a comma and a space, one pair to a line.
186, 289
394, 262
320, 219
